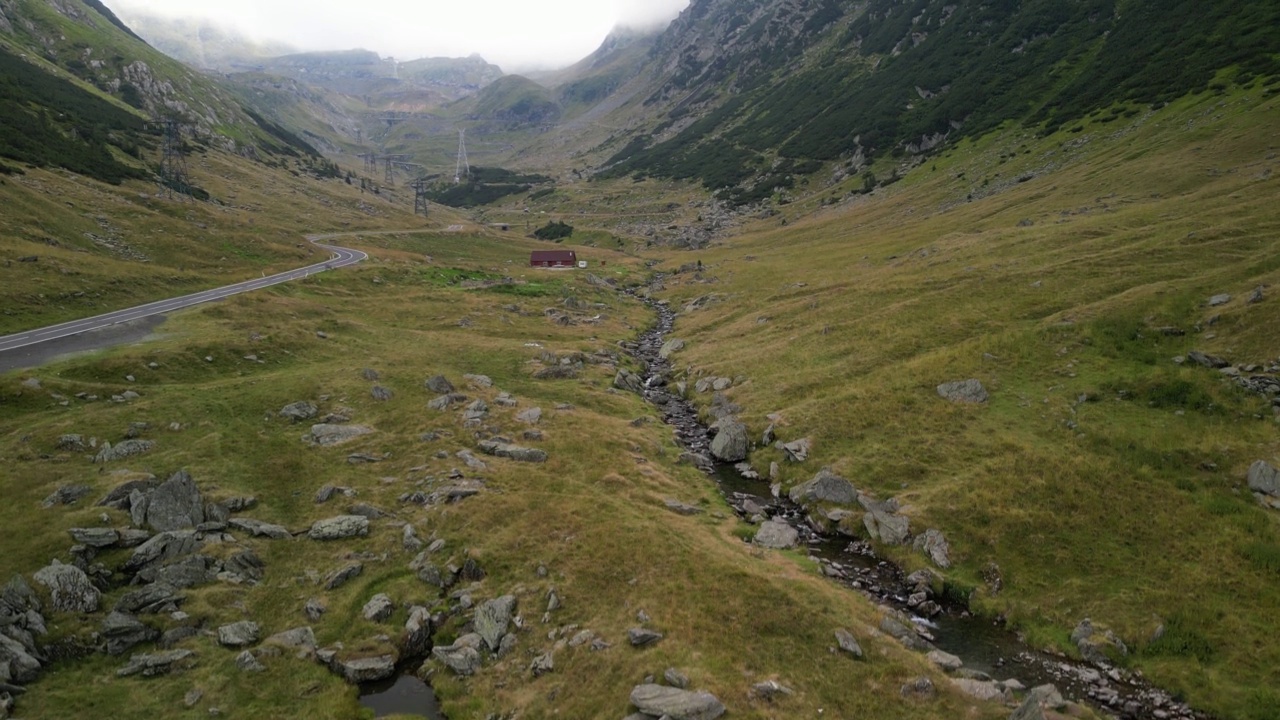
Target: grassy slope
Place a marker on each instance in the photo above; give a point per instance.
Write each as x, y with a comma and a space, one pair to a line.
592, 514
845, 322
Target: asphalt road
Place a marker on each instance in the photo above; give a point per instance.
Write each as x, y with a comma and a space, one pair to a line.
341, 258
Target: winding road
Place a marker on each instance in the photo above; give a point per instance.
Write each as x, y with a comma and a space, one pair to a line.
341, 257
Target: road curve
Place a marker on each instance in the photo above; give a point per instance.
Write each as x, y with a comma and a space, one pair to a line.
341, 257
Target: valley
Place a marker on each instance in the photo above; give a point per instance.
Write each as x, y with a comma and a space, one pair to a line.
819, 411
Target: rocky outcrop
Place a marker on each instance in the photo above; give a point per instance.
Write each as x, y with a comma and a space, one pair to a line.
885, 526
512, 452
492, 619
161, 663
461, 659
259, 528
826, 487
175, 504
629, 381
365, 669
299, 411
439, 385
326, 434
239, 634
934, 544
70, 588
677, 704
122, 450
123, 632
163, 547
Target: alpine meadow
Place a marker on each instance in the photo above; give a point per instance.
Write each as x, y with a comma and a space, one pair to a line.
796, 358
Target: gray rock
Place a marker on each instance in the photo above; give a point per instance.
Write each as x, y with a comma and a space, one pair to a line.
175, 504
23, 667
776, 534
675, 678
299, 411
1038, 700
770, 689
161, 663
302, 638
367, 669
905, 635
161, 547
173, 636
1265, 479
979, 689
70, 587
188, 572
439, 385
492, 619
326, 493
409, 539
326, 434
95, 537
796, 451
680, 508
848, 643
1256, 296
1218, 300
641, 637
675, 703
119, 498
380, 393
476, 411
963, 391
889, 528
340, 527
123, 449
827, 487
366, 511
248, 662
370, 374
461, 660
341, 577
479, 381
71, 443
512, 452
239, 634
66, 494
542, 665
731, 442
315, 609
945, 660
378, 608
532, 416
123, 632
415, 641
629, 381
153, 599
671, 347
934, 544
919, 689
259, 528
1212, 362
138, 507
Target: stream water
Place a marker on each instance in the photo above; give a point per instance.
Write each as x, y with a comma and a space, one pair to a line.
988, 649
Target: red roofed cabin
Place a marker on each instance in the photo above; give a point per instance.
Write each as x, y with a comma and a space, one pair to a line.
553, 258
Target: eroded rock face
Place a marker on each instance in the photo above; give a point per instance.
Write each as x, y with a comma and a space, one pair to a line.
70, 587
675, 703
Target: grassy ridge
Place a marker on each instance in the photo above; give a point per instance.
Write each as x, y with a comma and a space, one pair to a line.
1103, 479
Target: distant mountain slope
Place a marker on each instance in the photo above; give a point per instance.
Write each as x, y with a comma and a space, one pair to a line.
201, 43
743, 83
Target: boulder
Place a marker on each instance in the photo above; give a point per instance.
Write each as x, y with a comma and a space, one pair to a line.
963, 391
439, 385
479, 381
671, 347
156, 598
1038, 700
123, 632
848, 643
934, 544
70, 587
512, 452
796, 451
160, 663
887, 527
1217, 300
542, 665
415, 641
340, 527
827, 487
175, 504
366, 669
462, 660
979, 689
776, 534
640, 637
1265, 479
629, 381
341, 577
680, 508
23, 667
770, 689
302, 638
675, 703
66, 494
378, 608
675, 678
123, 449
259, 528
326, 434
532, 416
380, 393
239, 634
731, 441
248, 662
95, 537
165, 546
492, 619
119, 498
1202, 359
477, 411
944, 660
299, 411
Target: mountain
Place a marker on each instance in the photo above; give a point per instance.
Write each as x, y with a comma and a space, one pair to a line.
201, 43
747, 91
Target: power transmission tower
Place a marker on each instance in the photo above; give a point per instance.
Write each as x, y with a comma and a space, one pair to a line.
392, 161
370, 162
420, 202
463, 168
173, 161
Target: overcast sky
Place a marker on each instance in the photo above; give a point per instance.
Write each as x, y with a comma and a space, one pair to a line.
516, 34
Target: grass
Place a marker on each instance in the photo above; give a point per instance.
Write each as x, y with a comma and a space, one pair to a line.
1084, 478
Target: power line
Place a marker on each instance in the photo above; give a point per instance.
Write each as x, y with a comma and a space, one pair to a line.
463, 168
